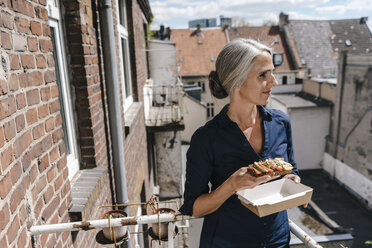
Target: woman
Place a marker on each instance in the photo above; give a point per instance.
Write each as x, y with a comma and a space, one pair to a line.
242, 133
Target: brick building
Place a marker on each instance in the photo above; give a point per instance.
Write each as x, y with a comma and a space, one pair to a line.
59, 153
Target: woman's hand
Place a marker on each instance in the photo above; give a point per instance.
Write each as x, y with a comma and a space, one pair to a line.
295, 179
242, 179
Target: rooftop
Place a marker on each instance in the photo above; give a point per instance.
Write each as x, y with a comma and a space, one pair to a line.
300, 100
269, 35
196, 54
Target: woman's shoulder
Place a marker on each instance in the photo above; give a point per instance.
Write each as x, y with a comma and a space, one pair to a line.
205, 132
278, 115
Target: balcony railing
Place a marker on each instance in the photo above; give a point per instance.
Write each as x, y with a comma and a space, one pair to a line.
163, 105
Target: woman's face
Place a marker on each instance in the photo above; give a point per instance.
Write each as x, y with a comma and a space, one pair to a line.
257, 87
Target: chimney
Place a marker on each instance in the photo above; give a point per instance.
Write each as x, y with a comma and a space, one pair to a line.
283, 20
363, 20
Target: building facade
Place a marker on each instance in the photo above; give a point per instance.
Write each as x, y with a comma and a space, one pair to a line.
57, 152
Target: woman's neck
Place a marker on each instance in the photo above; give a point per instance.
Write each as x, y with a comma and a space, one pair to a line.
244, 114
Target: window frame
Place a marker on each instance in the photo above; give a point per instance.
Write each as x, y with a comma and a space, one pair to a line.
125, 62
73, 163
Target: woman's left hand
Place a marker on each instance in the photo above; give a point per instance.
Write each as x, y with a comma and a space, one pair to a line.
295, 179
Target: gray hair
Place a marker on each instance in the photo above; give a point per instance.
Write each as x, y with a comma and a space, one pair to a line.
233, 64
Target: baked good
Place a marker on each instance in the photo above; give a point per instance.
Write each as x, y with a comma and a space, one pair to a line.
272, 167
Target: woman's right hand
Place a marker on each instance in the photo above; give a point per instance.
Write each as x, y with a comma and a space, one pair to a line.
242, 179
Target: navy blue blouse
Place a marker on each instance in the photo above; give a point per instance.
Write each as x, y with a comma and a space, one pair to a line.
217, 150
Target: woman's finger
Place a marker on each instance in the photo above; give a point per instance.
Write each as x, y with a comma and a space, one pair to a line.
293, 177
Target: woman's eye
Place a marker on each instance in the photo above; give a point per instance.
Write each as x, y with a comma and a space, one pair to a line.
263, 74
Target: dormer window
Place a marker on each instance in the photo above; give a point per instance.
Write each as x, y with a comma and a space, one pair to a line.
348, 43
276, 41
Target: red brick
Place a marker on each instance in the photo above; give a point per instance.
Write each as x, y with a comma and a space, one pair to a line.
22, 238
4, 217
43, 2
43, 111
34, 78
58, 120
6, 42
23, 26
38, 131
20, 122
13, 230
33, 44
39, 186
3, 87
48, 194
49, 124
54, 106
13, 82
45, 45
58, 182
57, 135
25, 8
21, 101
38, 206
44, 163
33, 97
3, 242
9, 130
41, 61
31, 116
62, 148
45, 94
14, 62
16, 172
41, 13
22, 143
17, 197
49, 76
51, 242
5, 185
1, 137
50, 60
22, 214
7, 107
54, 91
46, 30
36, 28
28, 61
52, 173
8, 20
52, 206
53, 155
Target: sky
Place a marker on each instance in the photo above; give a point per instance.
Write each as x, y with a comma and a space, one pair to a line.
177, 13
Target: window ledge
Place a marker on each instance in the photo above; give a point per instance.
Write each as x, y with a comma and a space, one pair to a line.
131, 115
85, 191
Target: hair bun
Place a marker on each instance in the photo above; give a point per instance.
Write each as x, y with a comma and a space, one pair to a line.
215, 86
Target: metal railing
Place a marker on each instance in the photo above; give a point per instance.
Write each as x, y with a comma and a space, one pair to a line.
162, 104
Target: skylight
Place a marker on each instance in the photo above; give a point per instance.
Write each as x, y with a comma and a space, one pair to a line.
348, 43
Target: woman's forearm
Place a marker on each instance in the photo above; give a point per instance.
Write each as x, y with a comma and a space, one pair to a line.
210, 202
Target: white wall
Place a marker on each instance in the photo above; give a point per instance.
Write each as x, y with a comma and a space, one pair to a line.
355, 181
309, 128
163, 62
194, 116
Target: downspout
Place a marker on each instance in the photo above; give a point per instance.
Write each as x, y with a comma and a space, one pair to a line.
113, 98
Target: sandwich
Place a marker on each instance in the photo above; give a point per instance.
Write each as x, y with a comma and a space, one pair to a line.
272, 167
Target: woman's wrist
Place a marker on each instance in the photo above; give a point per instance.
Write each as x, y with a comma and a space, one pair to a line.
229, 187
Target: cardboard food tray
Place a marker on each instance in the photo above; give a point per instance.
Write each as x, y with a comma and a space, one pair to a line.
275, 196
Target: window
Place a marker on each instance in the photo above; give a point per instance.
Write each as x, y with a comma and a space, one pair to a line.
202, 86
68, 122
284, 80
126, 82
210, 110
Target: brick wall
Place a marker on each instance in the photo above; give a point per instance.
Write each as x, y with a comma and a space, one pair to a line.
34, 185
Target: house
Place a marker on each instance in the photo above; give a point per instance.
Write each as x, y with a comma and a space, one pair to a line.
72, 130
315, 45
347, 155
197, 50
272, 37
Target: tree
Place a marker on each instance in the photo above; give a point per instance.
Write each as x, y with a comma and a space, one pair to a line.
238, 21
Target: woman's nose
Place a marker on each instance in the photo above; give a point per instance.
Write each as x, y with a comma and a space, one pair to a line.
273, 80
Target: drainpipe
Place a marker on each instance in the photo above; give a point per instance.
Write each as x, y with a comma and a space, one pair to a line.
113, 98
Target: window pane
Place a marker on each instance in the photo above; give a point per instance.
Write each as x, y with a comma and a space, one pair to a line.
126, 69
122, 13
58, 75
